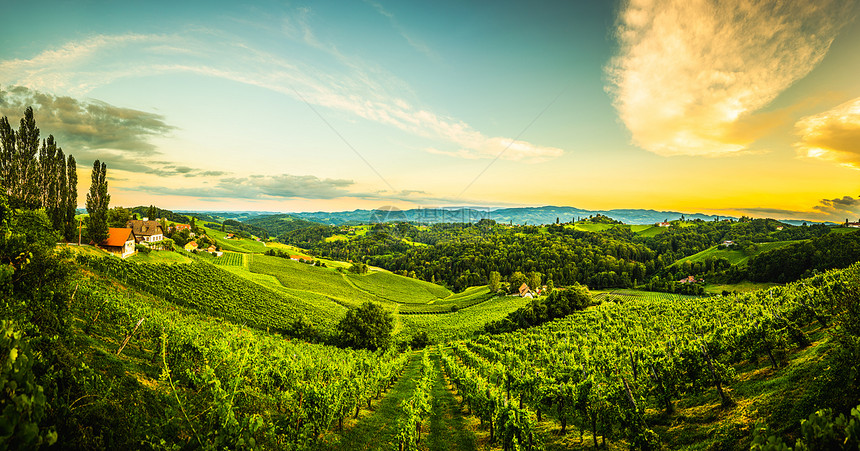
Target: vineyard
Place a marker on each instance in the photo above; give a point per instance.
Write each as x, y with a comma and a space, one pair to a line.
219, 384
398, 289
617, 370
311, 279
230, 259
214, 291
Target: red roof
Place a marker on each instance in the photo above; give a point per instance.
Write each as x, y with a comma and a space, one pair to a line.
118, 236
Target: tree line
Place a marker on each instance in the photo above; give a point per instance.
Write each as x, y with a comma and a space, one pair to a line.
36, 173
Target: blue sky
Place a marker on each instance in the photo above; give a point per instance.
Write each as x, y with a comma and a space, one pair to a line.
737, 107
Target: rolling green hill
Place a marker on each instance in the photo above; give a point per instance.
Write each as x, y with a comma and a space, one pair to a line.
735, 257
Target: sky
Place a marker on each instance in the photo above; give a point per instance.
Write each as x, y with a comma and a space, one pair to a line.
724, 107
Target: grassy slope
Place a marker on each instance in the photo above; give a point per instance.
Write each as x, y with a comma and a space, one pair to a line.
734, 257
463, 322
404, 290
310, 279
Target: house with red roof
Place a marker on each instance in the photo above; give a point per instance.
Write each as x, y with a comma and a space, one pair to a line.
120, 241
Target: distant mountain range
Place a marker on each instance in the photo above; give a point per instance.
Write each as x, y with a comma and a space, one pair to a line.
517, 215
521, 215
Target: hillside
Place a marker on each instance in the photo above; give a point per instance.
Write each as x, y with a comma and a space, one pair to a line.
735, 257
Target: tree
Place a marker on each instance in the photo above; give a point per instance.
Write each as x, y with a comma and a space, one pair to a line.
151, 213
550, 286
71, 198
495, 280
534, 280
358, 268
118, 217
517, 280
97, 204
367, 326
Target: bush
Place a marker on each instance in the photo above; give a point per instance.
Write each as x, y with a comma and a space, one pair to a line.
368, 326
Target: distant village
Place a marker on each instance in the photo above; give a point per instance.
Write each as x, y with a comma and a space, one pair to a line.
146, 234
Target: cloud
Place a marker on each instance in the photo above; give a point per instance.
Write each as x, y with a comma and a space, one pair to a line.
690, 76
86, 125
835, 210
284, 186
832, 135
328, 79
839, 207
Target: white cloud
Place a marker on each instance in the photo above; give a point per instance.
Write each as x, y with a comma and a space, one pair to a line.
336, 81
689, 72
832, 135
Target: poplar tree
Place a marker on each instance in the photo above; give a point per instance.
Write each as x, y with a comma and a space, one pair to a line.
7, 153
97, 204
71, 199
25, 189
58, 209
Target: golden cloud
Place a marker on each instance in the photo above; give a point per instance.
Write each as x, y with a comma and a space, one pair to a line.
689, 75
832, 135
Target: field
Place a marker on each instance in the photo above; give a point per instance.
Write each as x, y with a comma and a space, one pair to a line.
212, 290
403, 290
627, 295
463, 322
230, 259
742, 287
734, 257
306, 278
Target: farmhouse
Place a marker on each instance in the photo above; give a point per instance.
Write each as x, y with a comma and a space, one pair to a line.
525, 292
120, 242
146, 231
190, 246
727, 243
664, 224
688, 279
853, 224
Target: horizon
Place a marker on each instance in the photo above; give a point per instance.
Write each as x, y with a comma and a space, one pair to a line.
341, 106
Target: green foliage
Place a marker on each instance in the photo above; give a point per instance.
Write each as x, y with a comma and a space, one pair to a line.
797, 260
400, 289
23, 403
558, 304
367, 326
821, 431
358, 268
33, 279
97, 204
494, 281
212, 290
416, 408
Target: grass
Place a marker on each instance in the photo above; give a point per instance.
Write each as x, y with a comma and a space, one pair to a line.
647, 231
160, 257
741, 287
462, 323
301, 277
735, 257
87, 250
404, 290
378, 430
469, 297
